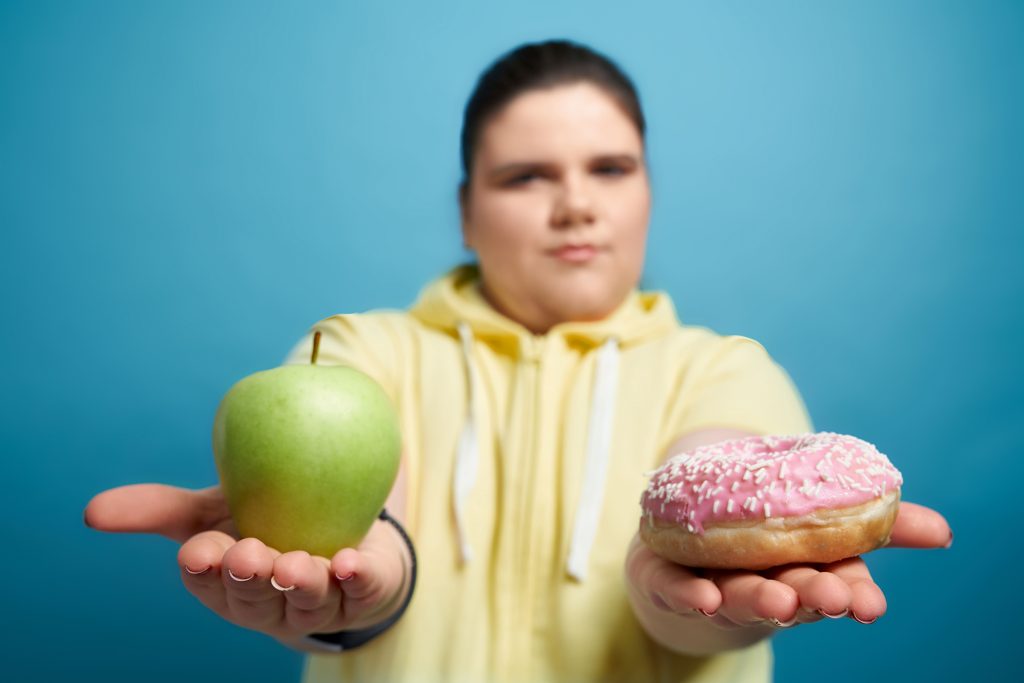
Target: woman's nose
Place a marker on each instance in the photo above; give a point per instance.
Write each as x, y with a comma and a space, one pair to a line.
573, 205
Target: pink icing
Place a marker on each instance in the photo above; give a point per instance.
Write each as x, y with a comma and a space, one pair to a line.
767, 476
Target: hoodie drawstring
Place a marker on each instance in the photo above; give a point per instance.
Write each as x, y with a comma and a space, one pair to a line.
595, 468
595, 472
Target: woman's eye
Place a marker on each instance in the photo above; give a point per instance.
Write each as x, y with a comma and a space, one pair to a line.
522, 178
610, 170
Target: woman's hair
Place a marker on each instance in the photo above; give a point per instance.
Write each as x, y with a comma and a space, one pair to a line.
535, 66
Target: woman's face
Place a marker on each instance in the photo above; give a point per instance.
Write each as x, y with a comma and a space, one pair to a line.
557, 206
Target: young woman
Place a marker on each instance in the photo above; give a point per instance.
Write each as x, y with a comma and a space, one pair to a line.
535, 389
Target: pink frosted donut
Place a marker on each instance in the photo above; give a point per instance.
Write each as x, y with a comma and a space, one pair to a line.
764, 501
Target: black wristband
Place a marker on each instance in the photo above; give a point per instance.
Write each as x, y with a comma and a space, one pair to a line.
341, 641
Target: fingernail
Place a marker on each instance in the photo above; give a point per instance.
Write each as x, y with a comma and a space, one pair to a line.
782, 624
861, 621
283, 589
346, 577
949, 543
834, 616
248, 578
708, 614
195, 572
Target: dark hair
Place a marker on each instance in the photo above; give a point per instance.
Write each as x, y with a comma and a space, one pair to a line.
535, 66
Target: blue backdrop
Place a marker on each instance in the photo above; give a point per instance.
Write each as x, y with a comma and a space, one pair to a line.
186, 186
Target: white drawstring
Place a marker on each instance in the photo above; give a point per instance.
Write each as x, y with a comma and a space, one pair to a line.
599, 434
599, 437
468, 454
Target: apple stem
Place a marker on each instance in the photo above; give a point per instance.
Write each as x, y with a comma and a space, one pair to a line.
316, 348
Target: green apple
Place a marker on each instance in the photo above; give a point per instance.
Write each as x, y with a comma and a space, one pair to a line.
306, 455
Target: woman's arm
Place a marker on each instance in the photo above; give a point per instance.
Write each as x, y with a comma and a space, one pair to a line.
284, 595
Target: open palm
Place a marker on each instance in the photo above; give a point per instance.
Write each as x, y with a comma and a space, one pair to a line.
781, 596
285, 595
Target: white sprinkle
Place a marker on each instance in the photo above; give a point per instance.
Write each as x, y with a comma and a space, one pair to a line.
730, 506
783, 470
746, 476
714, 508
767, 510
735, 485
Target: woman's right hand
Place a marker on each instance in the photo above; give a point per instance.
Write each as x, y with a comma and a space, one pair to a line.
284, 595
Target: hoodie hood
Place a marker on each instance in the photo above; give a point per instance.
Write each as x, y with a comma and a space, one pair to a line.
456, 298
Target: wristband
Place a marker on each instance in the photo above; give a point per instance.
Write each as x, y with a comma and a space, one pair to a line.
342, 641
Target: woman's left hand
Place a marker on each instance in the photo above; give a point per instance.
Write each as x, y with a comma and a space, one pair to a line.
781, 596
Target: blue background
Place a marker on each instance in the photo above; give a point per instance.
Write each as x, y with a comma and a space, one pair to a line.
187, 186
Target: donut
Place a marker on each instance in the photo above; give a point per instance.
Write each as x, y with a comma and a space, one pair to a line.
765, 501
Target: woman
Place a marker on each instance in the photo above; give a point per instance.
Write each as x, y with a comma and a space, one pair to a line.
534, 389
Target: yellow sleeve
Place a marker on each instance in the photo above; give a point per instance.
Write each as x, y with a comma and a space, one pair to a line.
734, 384
369, 342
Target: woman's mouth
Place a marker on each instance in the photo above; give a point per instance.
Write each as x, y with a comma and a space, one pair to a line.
575, 253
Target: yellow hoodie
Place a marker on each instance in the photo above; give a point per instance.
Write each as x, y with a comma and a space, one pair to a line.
526, 458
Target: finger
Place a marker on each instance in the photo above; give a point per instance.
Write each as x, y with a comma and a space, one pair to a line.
749, 599
920, 527
201, 555
200, 561
170, 511
821, 593
368, 581
312, 595
867, 602
669, 586
360, 576
678, 589
253, 601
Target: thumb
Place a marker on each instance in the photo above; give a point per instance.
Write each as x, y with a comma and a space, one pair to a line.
170, 511
920, 527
